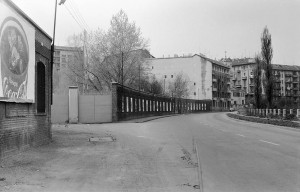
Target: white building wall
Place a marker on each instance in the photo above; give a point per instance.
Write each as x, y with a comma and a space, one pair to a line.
197, 69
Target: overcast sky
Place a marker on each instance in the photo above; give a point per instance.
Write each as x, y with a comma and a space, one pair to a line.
181, 27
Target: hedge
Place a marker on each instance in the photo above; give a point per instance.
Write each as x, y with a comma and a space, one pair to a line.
265, 120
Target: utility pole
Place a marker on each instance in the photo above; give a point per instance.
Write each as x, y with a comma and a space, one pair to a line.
139, 77
122, 68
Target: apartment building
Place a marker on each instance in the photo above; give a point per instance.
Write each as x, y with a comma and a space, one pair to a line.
286, 78
207, 78
286, 81
67, 62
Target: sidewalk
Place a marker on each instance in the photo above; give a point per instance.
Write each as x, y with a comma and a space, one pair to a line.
99, 157
145, 119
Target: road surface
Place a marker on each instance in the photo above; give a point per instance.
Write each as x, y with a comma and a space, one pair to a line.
160, 155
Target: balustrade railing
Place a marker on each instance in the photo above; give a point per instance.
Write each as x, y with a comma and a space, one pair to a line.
128, 103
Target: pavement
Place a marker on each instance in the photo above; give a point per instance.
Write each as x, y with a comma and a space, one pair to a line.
160, 155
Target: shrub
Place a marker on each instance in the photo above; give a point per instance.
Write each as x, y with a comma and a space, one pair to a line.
290, 117
278, 122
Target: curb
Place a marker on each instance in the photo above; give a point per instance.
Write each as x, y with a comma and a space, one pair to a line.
254, 120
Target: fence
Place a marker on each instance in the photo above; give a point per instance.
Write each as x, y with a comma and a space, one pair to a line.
274, 112
128, 103
91, 108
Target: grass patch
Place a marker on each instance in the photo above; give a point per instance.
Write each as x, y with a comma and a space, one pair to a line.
278, 122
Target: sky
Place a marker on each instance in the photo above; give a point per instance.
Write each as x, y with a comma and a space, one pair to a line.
210, 27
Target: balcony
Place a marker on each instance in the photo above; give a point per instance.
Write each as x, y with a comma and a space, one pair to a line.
251, 76
228, 83
244, 77
238, 86
288, 75
295, 75
214, 80
215, 89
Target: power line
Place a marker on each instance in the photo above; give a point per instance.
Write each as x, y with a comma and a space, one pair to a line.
80, 15
75, 13
74, 18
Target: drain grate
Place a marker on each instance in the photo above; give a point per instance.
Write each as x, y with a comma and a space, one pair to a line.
102, 139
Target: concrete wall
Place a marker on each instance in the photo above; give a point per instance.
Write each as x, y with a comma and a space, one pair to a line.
91, 109
60, 109
197, 69
95, 108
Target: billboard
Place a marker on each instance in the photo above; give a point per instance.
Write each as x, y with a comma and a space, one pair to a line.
17, 56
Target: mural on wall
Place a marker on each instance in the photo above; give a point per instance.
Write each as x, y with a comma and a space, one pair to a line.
17, 56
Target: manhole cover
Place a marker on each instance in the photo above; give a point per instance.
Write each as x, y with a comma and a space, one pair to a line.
101, 139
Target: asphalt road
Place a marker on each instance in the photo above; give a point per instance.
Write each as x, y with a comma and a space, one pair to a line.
159, 155
237, 155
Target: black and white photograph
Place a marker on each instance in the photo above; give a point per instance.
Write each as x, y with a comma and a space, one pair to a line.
149, 96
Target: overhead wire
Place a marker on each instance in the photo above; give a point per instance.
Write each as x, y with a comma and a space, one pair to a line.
75, 7
76, 15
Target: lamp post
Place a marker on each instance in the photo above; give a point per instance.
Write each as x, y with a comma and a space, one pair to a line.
53, 47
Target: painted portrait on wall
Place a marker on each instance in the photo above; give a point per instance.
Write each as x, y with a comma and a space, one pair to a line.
17, 56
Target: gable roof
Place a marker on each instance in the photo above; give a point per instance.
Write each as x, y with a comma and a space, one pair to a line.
19, 11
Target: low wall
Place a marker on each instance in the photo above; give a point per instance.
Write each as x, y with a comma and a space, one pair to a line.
91, 109
129, 103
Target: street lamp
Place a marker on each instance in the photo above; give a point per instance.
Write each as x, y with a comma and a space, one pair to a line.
52, 47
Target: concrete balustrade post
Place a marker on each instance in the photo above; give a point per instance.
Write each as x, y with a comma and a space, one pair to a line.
291, 111
267, 112
298, 113
284, 112
274, 111
279, 112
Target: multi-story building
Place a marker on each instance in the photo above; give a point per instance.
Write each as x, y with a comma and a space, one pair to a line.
207, 78
286, 78
68, 69
286, 81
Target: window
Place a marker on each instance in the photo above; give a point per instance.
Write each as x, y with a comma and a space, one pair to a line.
171, 76
152, 67
41, 88
165, 76
194, 93
194, 83
63, 60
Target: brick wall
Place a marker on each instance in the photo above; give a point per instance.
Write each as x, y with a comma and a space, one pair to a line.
20, 125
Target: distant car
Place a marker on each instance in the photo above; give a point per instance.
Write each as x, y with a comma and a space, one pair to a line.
231, 109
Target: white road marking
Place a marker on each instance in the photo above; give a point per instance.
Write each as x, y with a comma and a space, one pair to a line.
241, 135
269, 142
140, 136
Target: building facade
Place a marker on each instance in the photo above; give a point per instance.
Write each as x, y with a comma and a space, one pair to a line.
286, 81
25, 81
68, 69
207, 78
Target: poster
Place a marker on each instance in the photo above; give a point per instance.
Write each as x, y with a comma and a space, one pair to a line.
17, 56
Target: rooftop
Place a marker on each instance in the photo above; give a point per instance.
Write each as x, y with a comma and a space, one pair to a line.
19, 11
195, 55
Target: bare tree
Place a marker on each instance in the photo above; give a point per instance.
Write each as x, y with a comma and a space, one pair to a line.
267, 54
179, 87
114, 55
257, 82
